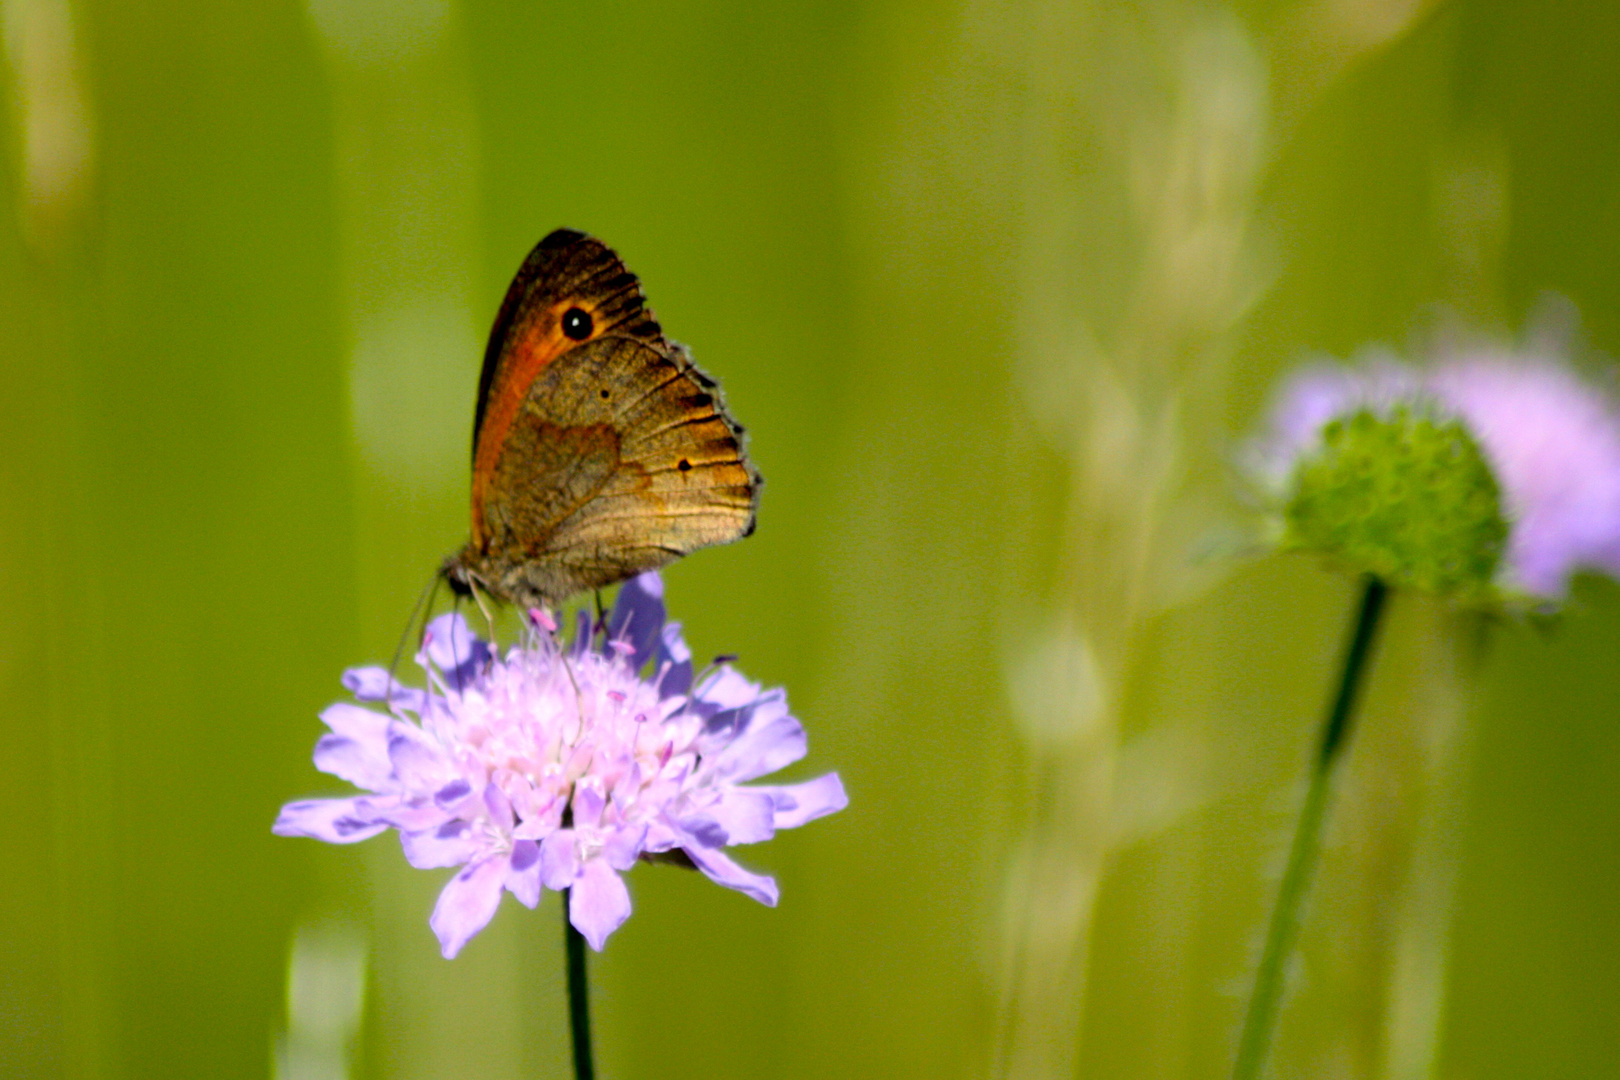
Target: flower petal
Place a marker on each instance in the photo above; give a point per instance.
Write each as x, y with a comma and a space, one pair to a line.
418, 764
744, 815
796, 804
559, 860
583, 632
500, 808
378, 684
672, 660
363, 761
762, 749
409, 815
727, 689
598, 903
623, 846
523, 873
638, 616
467, 903
589, 802
351, 761
337, 821
458, 654
721, 870
451, 844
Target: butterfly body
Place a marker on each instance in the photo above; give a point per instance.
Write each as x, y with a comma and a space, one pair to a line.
600, 450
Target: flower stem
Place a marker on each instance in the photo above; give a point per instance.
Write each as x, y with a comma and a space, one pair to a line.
579, 1004
1261, 1018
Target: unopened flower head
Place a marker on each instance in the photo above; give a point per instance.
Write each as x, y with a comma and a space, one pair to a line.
559, 767
1493, 473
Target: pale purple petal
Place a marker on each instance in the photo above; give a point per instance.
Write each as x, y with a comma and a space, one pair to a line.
624, 847
559, 859
717, 867
584, 626
410, 815
352, 761
500, 808
377, 684
337, 821
362, 758
599, 903
661, 836
418, 764
743, 816
453, 796
467, 903
451, 844
727, 689
455, 651
523, 873
796, 804
761, 750
672, 662
702, 830
365, 726
588, 802
1553, 442
638, 616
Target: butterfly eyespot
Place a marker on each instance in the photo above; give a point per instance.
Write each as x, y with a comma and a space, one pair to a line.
604, 395
576, 323
684, 466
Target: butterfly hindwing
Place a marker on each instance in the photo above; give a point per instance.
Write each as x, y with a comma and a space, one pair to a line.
682, 472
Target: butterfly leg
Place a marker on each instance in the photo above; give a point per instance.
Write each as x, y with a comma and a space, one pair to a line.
483, 605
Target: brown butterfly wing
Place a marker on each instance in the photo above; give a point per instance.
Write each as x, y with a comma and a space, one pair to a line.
596, 489
618, 457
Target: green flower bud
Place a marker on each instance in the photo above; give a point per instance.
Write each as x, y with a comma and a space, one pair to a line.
1406, 496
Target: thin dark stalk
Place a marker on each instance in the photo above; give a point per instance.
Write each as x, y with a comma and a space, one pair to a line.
579, 1004
1261, 1018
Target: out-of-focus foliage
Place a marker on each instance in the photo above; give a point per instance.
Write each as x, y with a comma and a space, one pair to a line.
996, 287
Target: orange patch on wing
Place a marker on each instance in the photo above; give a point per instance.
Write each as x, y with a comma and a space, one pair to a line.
506, 398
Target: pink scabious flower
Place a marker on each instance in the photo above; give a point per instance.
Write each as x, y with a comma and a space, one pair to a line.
559, 767
1551, 438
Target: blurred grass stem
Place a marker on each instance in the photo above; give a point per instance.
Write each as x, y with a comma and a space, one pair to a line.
1261, 1018
579, 1000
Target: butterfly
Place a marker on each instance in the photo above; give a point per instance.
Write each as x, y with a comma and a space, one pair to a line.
600, 450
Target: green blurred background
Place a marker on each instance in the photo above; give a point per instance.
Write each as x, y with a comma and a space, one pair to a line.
998, 288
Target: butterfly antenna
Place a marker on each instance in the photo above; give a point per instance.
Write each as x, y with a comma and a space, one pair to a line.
424, 600
455, 650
